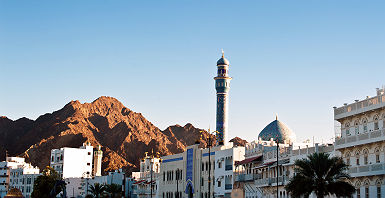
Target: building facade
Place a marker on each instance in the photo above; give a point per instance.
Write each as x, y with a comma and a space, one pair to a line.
16, 173
187, 174
361, 141
147, 178
73, 162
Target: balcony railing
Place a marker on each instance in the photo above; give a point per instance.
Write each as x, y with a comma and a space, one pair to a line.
364, 138
360, 107
271, 181
228, 186
370, 169
229, 167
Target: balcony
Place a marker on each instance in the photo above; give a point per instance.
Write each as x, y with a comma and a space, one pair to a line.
228, 186
228, 167
360, 107
271, 181
365, 138
367, 170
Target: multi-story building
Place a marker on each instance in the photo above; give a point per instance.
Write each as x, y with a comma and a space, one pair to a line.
187, 174
224, 170
361, 142
80, 186
262, 173
16, 173
148, 177
73, 162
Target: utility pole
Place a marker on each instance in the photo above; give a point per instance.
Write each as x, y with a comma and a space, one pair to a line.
277, 164
209, 144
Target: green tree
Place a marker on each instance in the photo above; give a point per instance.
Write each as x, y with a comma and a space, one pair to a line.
44, 183
321, 174
97, 190
114, 190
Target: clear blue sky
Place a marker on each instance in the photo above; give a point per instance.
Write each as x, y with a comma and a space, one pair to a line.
296, 59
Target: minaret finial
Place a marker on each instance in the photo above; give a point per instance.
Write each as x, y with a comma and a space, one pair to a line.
223, 53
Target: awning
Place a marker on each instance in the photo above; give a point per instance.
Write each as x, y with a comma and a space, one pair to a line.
139, 182
248, 160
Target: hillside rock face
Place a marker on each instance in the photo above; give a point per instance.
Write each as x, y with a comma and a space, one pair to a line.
237, 141
123, 134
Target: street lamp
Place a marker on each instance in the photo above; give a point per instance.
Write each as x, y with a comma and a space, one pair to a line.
152, 157
209, 144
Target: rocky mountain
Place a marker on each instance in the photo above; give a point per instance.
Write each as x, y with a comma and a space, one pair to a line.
237, 141
123, 134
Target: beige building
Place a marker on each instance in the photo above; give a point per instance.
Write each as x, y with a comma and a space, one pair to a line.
361, 142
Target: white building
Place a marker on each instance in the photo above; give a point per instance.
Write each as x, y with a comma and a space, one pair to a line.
148, 177
224, 170
362, 143
257, 175
79, 186
187, 174
16, 173
73, 162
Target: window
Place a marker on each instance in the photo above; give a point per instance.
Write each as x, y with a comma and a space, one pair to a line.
203, 166
377, 153
357, 157
219, 164
202, 181
365, 124
358, 192
378, 191
357, 127
347, 158
219, 183
366, 152
378, 184
347, 130
376, 122
89, 153
88, 164
366, 191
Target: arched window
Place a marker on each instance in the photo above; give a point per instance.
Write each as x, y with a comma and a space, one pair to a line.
357, 127
357, 157
366, 153
375, 119
378, 186
358, 190
377, 153
367, 183
383, 121
347, 129
347, 155
365, 124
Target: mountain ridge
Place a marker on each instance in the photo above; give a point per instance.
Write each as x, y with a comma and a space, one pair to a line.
124, 135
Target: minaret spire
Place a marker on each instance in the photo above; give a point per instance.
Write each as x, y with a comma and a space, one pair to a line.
222, 85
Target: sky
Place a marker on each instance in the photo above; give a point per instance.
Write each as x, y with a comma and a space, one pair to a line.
296, 59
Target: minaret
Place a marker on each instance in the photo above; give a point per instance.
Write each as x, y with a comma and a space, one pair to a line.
98, 155
222, 85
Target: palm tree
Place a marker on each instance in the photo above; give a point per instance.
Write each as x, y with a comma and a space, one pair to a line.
97, 190
322, 175
114, 189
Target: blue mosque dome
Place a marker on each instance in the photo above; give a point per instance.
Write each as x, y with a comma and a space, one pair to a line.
277, 129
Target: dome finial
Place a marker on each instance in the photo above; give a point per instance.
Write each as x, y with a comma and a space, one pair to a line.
223, 53
276, 116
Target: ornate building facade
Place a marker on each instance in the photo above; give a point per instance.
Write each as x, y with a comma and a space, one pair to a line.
362, 143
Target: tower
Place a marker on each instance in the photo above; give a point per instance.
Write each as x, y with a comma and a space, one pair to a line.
98, 155
222, 85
